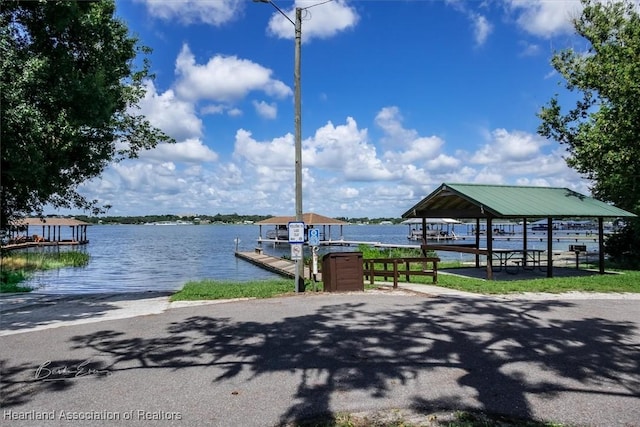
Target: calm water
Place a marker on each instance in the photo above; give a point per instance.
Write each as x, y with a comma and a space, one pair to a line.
126, 258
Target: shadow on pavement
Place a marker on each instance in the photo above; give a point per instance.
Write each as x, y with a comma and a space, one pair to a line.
490, 346
29, 310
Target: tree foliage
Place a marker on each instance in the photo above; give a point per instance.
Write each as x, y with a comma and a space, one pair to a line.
602, 131
71, 78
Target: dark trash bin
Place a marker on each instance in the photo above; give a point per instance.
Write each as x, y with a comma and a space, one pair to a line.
342, 272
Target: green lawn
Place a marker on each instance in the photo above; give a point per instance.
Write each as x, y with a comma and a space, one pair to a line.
212, 289
621, 281
624, 281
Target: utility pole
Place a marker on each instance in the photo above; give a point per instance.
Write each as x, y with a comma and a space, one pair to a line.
299, 275
298, 140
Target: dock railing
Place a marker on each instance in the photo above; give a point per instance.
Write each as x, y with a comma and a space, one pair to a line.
398, 267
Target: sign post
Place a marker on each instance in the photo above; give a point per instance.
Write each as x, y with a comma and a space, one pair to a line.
296, 240
314, 241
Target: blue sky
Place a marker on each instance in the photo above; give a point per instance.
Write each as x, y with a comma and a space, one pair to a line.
397, 98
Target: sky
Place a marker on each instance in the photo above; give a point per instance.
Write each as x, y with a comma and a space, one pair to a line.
398, 97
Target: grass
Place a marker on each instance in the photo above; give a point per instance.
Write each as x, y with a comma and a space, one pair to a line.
626, 281
30, 261
369, 252
213, 289
17, 266
10, 282
395, 418
622, 281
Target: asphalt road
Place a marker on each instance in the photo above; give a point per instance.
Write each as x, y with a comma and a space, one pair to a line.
277, 361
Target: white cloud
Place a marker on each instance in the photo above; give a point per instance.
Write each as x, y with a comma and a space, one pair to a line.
545, 18
218, 109
323, 21
175, 117
224, 78
488, 176
345, 148
234, 112
266, 110
189, 151
419, 150
344, 171
406, 146
444, 163
277, 153
390, 120
481, 28
213, 109
212, 12
529, 49
505, 146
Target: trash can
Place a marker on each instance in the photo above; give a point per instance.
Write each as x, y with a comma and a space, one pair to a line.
342, 272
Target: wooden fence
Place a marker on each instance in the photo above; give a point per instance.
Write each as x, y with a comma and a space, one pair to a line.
398, 267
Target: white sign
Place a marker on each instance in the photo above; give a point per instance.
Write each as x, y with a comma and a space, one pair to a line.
296, 232
314, 236
296, 251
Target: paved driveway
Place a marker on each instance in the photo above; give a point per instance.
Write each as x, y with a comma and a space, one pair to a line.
276, 361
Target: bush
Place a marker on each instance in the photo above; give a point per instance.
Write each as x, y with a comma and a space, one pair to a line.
369, 252
9, 281
623, 247
16, 265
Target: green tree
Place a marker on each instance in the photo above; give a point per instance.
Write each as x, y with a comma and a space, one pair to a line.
602, 131
71, 78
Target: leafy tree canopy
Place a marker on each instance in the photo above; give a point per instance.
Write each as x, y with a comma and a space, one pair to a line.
602, 131
69, 85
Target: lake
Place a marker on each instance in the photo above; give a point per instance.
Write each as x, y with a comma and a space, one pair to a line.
131, 258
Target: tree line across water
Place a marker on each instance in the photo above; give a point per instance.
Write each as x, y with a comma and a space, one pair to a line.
211, 219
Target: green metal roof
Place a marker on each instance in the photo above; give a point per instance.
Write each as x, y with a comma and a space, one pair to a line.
504, 201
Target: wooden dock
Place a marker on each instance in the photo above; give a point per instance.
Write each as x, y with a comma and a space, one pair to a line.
281, 266
25, 245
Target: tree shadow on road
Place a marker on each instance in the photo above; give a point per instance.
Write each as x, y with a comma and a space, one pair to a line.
487, 348
33, 310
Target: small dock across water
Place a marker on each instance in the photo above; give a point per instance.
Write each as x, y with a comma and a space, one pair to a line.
281, 266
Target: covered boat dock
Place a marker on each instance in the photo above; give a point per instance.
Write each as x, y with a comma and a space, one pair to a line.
279, 225
28, 232
501, 202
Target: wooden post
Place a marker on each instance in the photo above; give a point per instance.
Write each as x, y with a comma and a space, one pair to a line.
549, 247
395, 274
435, 272
525, 244
477, 242
601, 245
371, 271
489, 248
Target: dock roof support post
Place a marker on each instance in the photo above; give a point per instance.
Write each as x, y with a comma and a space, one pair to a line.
477, 242
489, 249
601, 244
525, 243
549, 247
